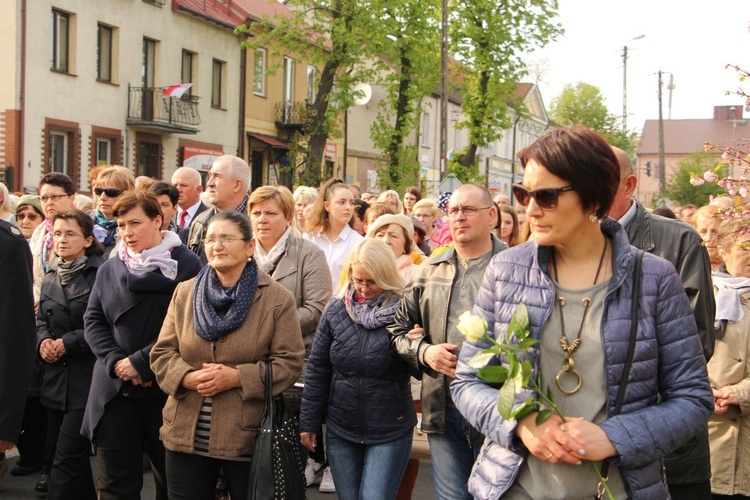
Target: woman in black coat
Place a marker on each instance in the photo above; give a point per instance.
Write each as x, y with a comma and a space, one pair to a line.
67, 359
125, 312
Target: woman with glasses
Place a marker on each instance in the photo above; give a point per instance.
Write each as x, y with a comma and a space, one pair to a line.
125, 312
356, 385
577, 281
29, 214
426, 210
68, 362
110, 184
220, 331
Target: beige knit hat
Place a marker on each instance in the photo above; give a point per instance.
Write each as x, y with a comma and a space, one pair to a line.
388, 219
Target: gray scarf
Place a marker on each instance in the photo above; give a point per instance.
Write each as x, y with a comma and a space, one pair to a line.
67, 271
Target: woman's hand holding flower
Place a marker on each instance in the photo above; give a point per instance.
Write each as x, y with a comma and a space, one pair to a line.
548, 442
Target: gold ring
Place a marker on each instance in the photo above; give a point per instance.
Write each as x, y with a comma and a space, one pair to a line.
549, 457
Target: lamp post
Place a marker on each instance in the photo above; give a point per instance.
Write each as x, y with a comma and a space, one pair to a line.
625, 82
444, 91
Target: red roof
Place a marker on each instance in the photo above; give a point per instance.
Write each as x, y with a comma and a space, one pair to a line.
258, 9
225, 12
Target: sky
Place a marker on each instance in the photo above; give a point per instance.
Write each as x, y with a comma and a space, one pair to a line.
689, 39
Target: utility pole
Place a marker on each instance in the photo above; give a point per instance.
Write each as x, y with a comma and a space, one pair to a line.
662, 166
625, 83
444, 92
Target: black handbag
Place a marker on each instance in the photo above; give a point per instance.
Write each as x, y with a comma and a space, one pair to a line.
276, 470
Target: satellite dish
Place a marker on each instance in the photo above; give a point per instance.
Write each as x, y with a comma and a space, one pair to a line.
363, 93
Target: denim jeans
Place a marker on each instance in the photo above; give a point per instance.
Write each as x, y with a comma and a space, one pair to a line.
452, 457
367, 472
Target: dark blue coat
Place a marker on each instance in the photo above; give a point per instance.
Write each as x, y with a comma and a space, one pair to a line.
66, 382
355, 382
123, 319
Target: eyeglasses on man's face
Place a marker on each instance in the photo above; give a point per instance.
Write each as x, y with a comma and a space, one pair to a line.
468, 211
546, 198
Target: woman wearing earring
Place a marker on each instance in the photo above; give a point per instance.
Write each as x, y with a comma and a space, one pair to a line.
328, 226
577, 282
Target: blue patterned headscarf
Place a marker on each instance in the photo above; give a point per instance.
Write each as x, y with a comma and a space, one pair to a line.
218, 312
443, 200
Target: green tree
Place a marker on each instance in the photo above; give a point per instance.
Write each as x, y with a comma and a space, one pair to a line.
488, 38
679, 188
409, 72
583, 104
332, 35
464, 173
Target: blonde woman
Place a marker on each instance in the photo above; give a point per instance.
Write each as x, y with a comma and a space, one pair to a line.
371, 417
426, 210
6, 205
304, 198
392, 198
111, 183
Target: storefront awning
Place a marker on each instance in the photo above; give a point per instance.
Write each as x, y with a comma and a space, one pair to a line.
271, 141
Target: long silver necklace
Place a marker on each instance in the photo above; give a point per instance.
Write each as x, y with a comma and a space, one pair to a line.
569, 348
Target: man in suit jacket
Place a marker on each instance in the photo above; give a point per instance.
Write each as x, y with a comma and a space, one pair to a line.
189, 205
17, 334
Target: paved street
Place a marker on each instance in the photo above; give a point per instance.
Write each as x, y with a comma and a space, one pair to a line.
21, 488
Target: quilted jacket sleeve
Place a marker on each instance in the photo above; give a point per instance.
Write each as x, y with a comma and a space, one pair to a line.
319, 374
649, 433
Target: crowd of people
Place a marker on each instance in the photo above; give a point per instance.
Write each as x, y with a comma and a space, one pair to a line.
137, 323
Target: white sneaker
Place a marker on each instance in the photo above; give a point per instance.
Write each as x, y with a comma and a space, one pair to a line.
312, 472
326, 484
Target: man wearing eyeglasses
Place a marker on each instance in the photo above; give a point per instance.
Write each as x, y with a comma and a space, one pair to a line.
688, 468
424, 333
227, 187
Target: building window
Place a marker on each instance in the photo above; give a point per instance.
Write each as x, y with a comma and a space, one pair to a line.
103, 151
148, 159
188, 59
58, 152
149, 62
426, 130
259, 76
311, 83
104, 54
217, 84
288, 80
60, 40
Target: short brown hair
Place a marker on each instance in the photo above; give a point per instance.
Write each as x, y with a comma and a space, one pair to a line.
280, 194
86, 223
138, 198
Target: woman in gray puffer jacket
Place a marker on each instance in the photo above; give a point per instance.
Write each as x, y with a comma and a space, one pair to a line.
576, 280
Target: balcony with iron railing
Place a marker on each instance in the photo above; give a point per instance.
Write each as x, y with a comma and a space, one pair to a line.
292, 115
148, 107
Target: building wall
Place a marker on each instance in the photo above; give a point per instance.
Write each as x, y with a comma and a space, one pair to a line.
78, 98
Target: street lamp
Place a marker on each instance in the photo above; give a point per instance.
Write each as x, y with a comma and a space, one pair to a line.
625, 82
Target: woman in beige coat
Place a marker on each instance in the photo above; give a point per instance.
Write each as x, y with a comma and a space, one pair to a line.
729, 368
210, 359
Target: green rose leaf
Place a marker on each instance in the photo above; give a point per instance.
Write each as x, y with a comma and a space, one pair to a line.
505, 400
542, 416
480, 359
493, 374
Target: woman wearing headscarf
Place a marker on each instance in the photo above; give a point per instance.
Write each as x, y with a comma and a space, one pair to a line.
29, 214
68, 362
221, 330
125, 312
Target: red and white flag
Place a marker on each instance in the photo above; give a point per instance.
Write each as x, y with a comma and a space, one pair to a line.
176, 90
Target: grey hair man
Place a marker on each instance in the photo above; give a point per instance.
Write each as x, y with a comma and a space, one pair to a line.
688, 468
226, 189
424, 332
189, 205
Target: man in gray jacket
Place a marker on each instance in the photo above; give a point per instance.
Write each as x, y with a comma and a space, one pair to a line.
424, 333
689, 467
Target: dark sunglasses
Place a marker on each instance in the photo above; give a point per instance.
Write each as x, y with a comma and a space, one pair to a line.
546, 198
111, 193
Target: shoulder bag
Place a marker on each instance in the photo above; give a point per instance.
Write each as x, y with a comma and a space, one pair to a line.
276, 471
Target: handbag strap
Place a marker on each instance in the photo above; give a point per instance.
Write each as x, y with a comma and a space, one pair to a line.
269, 390
631, 345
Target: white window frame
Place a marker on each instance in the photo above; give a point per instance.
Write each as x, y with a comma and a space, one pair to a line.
259, 72
64, 135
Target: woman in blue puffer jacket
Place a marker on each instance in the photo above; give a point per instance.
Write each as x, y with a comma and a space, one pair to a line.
576, 280
356, 384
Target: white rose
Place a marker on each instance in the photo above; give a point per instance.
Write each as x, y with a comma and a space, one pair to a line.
472, 327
